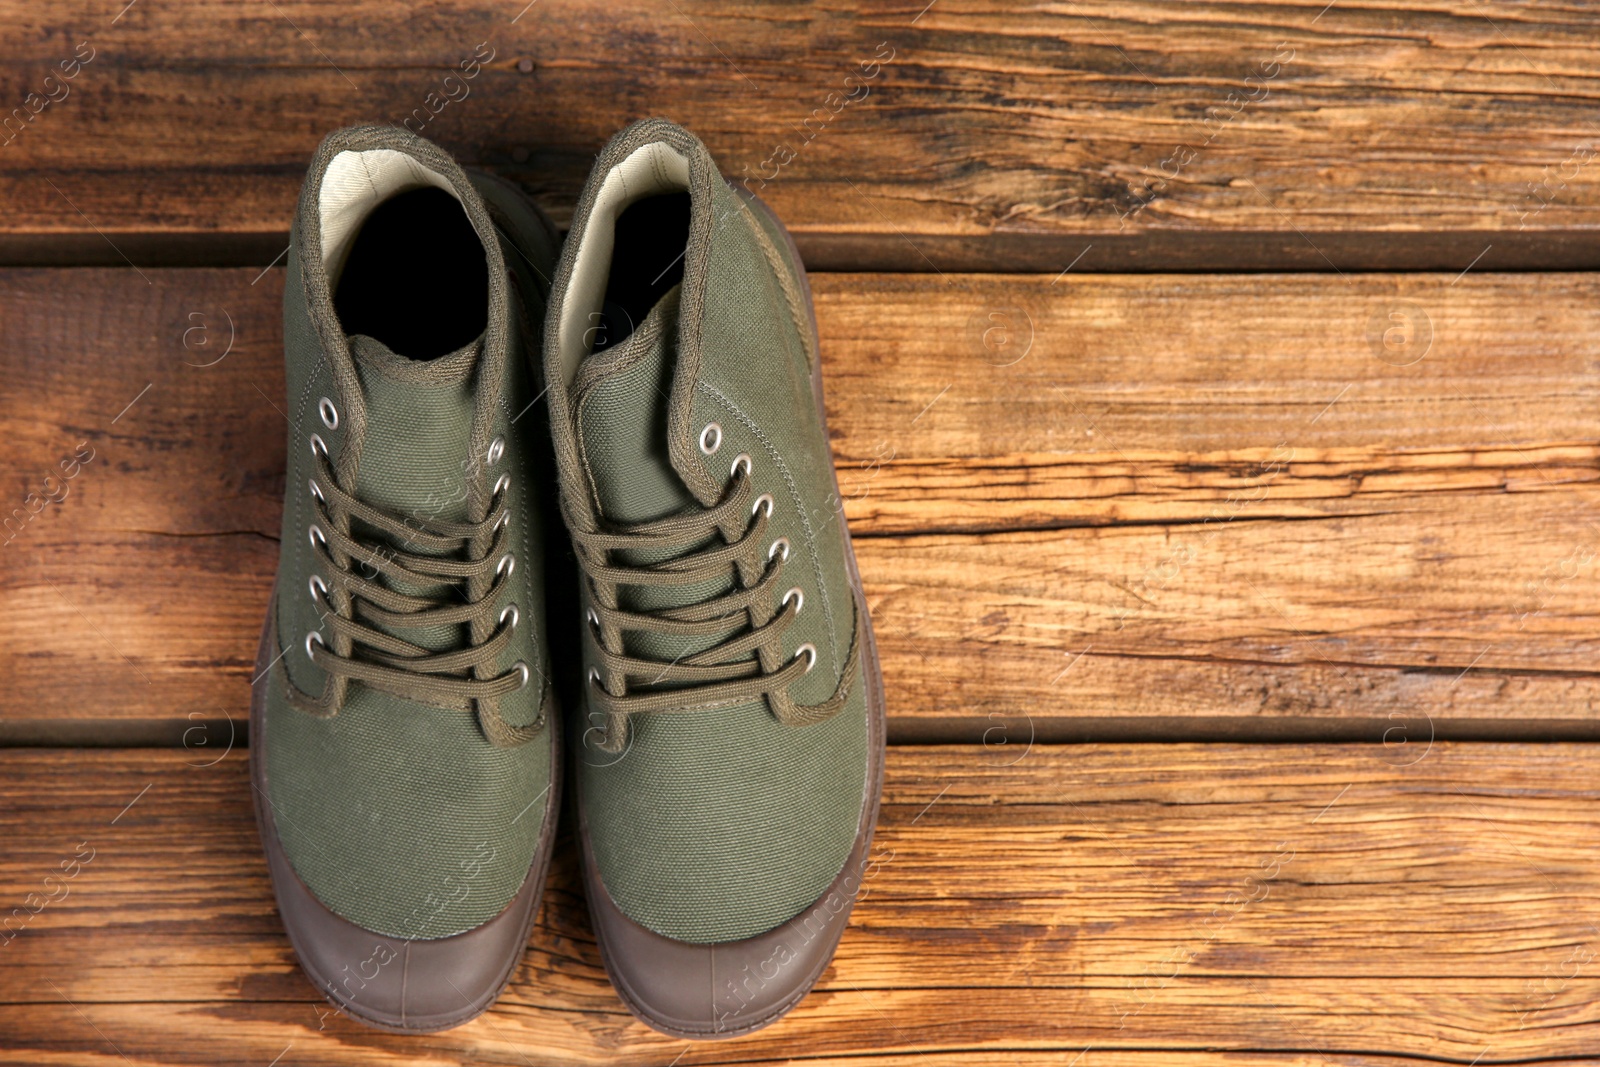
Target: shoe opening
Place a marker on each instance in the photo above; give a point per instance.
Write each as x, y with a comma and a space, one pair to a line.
631, 253
416, 277
646, 262
404, 263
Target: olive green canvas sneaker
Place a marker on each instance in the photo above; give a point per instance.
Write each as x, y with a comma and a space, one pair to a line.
404, 739
728, 758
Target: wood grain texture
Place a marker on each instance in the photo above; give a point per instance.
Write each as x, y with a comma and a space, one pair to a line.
977, 136
1167, 503
1303, 901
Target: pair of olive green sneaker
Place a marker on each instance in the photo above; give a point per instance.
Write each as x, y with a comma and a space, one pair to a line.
724, 721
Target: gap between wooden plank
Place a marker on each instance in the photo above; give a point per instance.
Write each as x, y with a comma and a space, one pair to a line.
998, 731
1153, 251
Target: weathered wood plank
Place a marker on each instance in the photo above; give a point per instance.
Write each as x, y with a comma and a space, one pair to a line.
966, 135
1213, 489
1247, 500
513, 1053
1321, 901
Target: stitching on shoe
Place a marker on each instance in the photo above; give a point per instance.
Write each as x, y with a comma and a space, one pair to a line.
305, 394
527, 338
786, 281
527, 549
583, 453
799, 507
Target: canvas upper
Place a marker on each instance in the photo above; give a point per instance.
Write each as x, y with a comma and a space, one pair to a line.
407, 806
722, 757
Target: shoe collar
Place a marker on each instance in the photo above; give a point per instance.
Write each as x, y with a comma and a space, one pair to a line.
650, 156
354, 170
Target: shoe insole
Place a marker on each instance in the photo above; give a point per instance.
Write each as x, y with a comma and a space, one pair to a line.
652, 236
416, 277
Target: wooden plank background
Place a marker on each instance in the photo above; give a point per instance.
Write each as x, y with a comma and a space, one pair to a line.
1326, 901
1136, 133
1122, 482
1191, 503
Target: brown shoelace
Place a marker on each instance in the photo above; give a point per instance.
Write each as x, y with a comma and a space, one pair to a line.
466, 593
748, 665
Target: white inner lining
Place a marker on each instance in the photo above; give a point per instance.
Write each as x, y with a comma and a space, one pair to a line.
353, 185
649, 170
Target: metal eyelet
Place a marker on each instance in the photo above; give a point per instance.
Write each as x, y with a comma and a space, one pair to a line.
797, 596
315, 535
594, 620
319, 447
741, 460
711, 438
507, 564
594, 678
810, 652
515, 616
319, 589
497, 448
780, 545
501, 484
526, 674
316, 491
329, 413
501, 523
310, 637
763, 498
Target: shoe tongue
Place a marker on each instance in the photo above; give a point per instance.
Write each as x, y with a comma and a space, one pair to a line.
621, 399
621, 396
419, 423
414, 454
